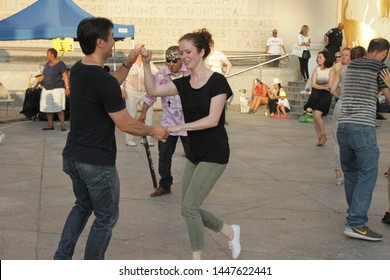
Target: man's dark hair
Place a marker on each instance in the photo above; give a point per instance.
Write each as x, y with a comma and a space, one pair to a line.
378, 45
358, 52
172, 49
90, 29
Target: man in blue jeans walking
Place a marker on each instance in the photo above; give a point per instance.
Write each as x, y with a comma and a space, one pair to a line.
356, 135
90, 152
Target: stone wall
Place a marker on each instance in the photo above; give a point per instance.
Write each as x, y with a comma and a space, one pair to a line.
241, 26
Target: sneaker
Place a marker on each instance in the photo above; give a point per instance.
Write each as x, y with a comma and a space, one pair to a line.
277, 116
235, 245
285, 117
305, 91
364, 233
339, 181
386, 218
131, 143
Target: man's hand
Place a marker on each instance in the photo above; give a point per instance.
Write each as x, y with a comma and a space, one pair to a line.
142, 117
132, 57
146, 55
160, 133
385, 75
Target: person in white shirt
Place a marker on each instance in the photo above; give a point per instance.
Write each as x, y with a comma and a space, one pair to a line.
304, 41
283, 106
133, 91
274, 48
216, 60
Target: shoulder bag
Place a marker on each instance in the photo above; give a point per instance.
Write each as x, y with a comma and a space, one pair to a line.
305, 53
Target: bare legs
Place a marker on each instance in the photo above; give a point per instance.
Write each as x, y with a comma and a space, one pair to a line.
281, 111
61, 118
228, 232
50, 120
319, 127
197, 255
339, 177
257, 101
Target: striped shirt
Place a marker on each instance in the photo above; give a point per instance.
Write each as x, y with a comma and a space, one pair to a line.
362, 83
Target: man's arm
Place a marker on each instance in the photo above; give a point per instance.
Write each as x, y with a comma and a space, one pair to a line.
142, 116
284, 50
127, 124
326, 40
228, 66
385, 75
123, 70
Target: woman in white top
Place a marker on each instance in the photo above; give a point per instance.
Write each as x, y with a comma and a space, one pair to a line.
336, 83
320, 97
304, 41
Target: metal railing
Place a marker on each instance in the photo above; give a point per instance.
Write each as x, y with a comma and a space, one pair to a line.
257, 57
258, 65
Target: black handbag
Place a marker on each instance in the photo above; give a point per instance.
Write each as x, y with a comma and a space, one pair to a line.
306, 54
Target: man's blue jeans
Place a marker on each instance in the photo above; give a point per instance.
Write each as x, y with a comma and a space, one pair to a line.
359, 155
96, 189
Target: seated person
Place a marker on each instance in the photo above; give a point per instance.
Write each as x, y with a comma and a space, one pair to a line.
283, 106
273, 96
259, 95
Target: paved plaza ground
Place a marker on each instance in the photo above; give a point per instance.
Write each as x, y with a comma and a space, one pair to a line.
279, 187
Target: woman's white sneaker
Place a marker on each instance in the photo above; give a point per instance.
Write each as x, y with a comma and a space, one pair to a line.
235, 245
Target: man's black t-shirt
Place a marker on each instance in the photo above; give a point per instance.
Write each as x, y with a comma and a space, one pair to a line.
94, 94
212, 144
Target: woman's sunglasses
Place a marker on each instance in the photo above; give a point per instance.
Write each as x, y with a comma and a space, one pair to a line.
174, 58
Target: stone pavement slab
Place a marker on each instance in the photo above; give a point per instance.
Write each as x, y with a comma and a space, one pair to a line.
278, 186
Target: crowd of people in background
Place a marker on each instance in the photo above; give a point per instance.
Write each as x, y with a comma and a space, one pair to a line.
194, 90
355, 78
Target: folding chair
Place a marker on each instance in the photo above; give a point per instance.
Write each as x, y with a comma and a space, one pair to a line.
5, 97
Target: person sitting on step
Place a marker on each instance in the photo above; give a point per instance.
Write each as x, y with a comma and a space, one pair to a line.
259, 95
283, 106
